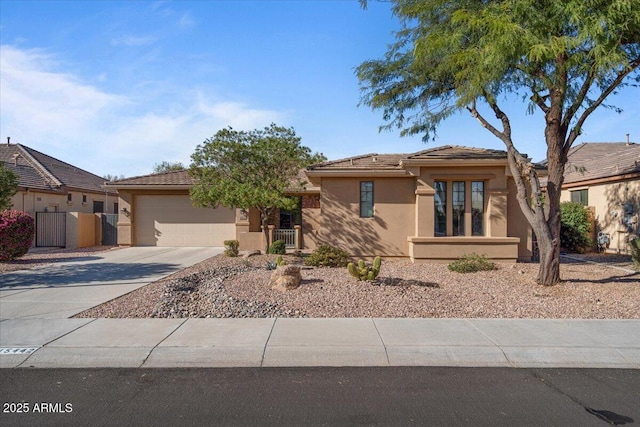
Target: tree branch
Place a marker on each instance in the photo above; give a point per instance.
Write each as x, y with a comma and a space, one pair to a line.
612, 86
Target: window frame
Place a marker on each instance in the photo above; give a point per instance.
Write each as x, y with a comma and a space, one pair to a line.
582, 196
459, 194
442, 195
474, 231
364, 203
460, 230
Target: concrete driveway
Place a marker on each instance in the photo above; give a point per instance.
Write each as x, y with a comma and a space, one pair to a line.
64, 289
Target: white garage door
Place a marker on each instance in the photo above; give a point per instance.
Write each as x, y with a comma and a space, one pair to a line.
173, 221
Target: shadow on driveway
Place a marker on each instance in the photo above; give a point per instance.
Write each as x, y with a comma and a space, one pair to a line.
83, 274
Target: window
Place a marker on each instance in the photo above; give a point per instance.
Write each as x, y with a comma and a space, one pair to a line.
477, 208
98, 206
455, 218
580, 196
69, 197
458, 208
441, 208
84, 198
366, 199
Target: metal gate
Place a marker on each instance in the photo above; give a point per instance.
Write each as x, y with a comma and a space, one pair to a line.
289, 237
109, 229
51, 229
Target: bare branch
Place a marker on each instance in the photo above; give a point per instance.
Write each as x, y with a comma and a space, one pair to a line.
612, 86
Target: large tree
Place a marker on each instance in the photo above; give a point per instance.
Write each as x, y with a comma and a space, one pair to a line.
8, 186
165, 166
250, 169
564, 56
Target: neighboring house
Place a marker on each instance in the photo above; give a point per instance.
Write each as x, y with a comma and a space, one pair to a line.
47, 184
433, 205
605, 176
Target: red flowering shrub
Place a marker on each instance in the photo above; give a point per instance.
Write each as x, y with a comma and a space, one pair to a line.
16, 234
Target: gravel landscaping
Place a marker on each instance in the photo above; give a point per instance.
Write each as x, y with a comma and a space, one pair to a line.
234, 287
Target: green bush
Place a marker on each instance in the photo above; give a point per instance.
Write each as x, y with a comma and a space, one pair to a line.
327, 256
471, 263
278, 247
16, 234
575, 226
635, 252
231, 248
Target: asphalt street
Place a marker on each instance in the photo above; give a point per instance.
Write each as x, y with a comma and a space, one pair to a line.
320, 396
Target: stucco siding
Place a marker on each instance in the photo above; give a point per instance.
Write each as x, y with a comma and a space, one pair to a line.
607, 201
384, 234
35, 201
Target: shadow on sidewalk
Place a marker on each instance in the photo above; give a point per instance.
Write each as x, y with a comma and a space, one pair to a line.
83, 275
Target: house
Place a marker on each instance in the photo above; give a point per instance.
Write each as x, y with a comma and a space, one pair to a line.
47, 184
605, 176
433, 205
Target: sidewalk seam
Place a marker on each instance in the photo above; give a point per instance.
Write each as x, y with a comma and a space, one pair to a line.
386, 353
161, 341
493, 342
266, 343
55, 339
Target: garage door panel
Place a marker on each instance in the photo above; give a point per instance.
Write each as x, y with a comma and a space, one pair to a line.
173, 221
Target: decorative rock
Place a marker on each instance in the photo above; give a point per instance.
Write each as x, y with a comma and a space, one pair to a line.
285, 278
250, 253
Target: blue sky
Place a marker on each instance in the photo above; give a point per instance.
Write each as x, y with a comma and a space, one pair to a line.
115, 87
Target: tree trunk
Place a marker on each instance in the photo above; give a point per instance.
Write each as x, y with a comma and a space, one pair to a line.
264, 218
549, 271
549, 251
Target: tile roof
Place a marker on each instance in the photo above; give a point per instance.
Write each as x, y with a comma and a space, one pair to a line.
596, 160
168, 178
40, 171
365, 161
458, 152
183, 178
374, 161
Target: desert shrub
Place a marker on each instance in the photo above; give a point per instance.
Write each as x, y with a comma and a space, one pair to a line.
575, 225
635, 252
471, 263
327, 256
231, 248
278, 247
16, 234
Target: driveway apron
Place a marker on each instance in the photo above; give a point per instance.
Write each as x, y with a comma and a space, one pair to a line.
64, 289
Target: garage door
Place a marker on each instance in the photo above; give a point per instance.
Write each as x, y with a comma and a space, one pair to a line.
173, 221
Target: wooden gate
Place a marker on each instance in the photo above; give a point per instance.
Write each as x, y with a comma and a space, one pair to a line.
109, 229
51, 229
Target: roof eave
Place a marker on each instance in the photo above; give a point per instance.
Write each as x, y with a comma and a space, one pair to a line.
348, 173
149, 186
453, 162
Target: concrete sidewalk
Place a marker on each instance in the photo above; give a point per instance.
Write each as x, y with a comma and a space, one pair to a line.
283, 342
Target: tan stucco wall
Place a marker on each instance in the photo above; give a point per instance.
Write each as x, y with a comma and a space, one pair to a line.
607, 200
83, 230
35, 201
339, 223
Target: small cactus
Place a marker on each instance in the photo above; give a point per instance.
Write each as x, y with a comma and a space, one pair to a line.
364, 272
280, 261
270, 265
